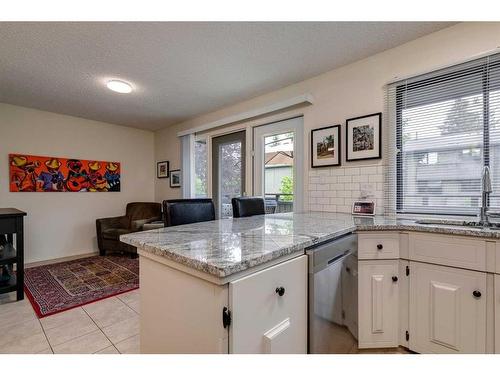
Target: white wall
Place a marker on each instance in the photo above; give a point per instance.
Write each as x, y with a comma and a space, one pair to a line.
63, 224
350, 91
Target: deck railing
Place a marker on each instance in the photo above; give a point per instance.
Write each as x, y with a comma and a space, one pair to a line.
276, 204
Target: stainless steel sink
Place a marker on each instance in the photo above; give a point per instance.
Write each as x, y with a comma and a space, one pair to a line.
458, 223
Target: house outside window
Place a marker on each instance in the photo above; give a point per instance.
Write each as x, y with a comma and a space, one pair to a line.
447, 129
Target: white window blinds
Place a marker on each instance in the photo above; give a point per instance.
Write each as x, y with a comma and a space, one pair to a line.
444, 127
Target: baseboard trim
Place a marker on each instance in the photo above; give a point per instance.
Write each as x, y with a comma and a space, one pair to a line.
59, 260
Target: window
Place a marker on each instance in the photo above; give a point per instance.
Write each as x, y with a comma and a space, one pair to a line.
447, 128
200, 168
278, 171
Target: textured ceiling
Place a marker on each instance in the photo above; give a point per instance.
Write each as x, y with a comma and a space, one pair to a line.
179, 70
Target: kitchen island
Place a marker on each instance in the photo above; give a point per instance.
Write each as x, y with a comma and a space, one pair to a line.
240, 285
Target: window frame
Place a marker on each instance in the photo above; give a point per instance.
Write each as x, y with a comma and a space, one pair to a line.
401, 90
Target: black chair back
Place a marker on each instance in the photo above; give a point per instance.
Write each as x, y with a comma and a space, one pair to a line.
248, 206
187, 211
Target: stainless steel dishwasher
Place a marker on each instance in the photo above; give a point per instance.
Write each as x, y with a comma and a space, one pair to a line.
333, 296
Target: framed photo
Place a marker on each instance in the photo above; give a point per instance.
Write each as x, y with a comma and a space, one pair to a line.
175, 178
363, 208
364, 137
325, 147
162, 169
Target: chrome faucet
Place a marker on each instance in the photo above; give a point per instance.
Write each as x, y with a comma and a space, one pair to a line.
485, 197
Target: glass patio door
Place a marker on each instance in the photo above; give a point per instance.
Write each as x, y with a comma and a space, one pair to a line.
228, 177
278, 165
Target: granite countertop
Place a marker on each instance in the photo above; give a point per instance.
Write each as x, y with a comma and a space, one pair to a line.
224, 247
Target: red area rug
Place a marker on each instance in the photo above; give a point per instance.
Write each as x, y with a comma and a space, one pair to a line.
62, 286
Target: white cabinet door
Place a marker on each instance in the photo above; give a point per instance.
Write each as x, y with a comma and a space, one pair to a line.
378, 298
447, 309
263, 321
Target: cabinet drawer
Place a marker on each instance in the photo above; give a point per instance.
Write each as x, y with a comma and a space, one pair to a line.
448, 250
378, 245
263, 321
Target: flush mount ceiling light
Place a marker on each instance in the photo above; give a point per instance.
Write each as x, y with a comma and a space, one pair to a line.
119, 86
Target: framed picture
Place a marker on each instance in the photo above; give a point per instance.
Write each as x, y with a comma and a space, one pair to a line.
175, 178
162, 169
364, 137
363, 208
325, 147
31, 173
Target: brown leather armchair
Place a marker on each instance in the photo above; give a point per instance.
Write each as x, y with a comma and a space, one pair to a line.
109, 229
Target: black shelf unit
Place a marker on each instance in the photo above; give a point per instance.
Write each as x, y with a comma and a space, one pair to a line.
11, 287
12, 252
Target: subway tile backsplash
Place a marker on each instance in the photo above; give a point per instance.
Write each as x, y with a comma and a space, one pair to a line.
335, 189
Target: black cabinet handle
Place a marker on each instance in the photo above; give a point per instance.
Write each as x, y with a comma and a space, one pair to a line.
226, 317
476, 293
348, 269
395, 279
380, 246
280, 290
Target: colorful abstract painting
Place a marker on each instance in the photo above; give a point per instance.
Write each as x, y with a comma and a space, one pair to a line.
30, 173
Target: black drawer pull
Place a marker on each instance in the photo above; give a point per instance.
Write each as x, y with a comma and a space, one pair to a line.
380, 246
280, 290
395, 279
476, 293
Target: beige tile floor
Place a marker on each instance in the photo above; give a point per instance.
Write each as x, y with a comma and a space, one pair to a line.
110, 326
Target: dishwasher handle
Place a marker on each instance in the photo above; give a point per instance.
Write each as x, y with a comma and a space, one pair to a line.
340, 256
318, 267
324, 255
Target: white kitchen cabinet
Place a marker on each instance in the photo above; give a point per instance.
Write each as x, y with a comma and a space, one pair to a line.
447, 309
378, 302
263, 320
180, 313
183, 313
